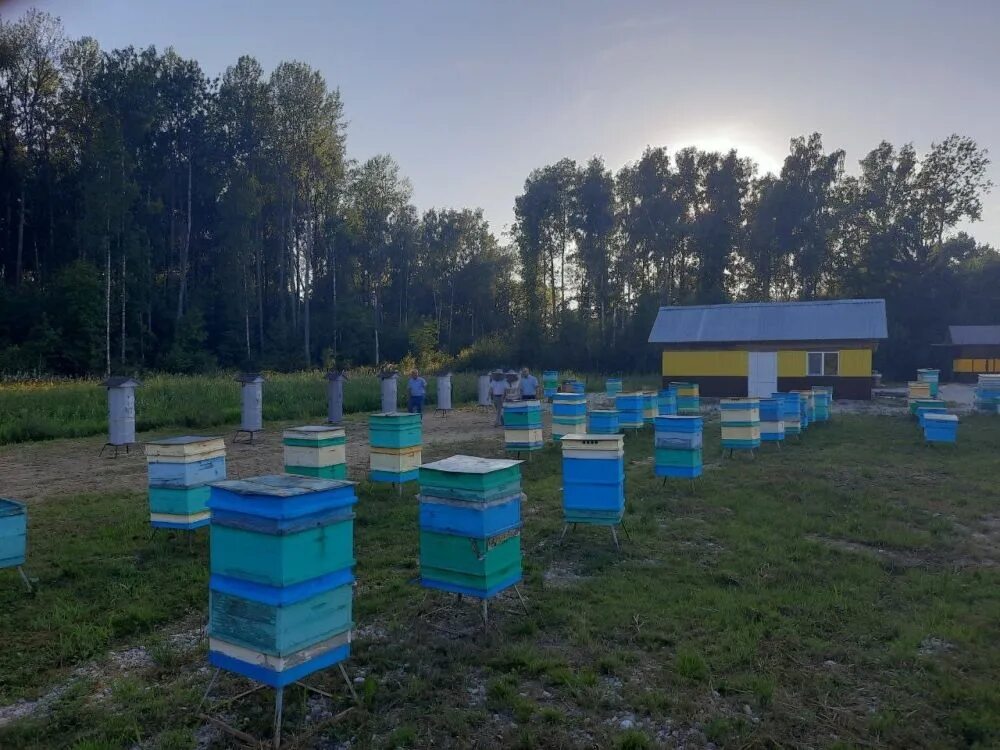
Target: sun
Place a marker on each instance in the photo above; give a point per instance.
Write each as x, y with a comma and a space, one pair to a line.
724, 140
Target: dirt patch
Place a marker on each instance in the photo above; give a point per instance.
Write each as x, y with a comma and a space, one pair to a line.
882, 406
34, 471
895, 557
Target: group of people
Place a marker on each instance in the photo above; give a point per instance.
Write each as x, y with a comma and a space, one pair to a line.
416, 389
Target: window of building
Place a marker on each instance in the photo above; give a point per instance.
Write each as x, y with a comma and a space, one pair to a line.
823, 364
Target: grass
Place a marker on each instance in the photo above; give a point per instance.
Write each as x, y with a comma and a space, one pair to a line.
42, 410
843, 592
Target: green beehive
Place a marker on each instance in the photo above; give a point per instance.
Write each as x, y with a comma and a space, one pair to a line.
485, 566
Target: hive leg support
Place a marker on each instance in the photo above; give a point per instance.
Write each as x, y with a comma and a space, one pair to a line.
517, 590
350, 685
24, 577
625, 529
486, 614
563, 535
279, 709
211, 684
614, 535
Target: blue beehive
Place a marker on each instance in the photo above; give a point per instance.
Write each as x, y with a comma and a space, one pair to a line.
282, 558
612, 387
772, 420
925, 408
630, 410
13, 533
677, 447
940, 428
522, 421
666, 402
550, 383
180, 470
593, 479
396, 448
791, 411
569, 414
602, 422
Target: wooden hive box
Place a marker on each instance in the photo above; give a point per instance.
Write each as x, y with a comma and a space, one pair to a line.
180, 470
318, 451
13, 533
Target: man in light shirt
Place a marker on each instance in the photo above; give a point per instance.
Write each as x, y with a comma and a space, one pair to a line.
417, 388
529, 384
498, 389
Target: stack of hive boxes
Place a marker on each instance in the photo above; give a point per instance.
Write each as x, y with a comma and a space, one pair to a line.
282, 558
593, 479
577, 387
180, 470
988, 394
688, 400
772, 420
940, 428
569, 414
931, 377
317, 451
395, 452
612, 387
602, 422
740, 423
550, 383
630, 410
470, 525
807, 408
916, 390
791, 412
677, 446
522, 422
13, 533
929, 406
666, 402
822, 399
649, 406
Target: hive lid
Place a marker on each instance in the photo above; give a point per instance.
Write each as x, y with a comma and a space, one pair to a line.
314, 431
470, 464
183, 440
599, 442
10, 507
249, 377
281, 485
941, 417
119, 381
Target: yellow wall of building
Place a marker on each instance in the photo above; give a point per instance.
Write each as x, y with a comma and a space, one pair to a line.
791, 364
855, 363
975, 365
725, 362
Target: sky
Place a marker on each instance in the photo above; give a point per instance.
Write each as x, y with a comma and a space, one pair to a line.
469, 96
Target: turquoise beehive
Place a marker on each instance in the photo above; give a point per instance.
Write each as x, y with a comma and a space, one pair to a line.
13, 536
180, 470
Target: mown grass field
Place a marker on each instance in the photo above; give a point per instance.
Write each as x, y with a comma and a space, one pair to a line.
42, 410
843, 592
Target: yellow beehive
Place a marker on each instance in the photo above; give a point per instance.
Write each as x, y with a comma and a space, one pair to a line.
396, 460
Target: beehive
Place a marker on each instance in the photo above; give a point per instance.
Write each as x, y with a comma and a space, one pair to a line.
612, 387
929, 406
807, 408
988, 394
569, 414
940, 428
395, 447
483, 390
550, 383
602, 422
791, 411
822, 396
13, 533
576, 386
282, 559
522, 422
335, 396
772, 420
917, 403
649, 406
470, 525
318, 451
251, 402
593, 479
388, 383
688, 399
931, 377
677, 444
121, 410
740, 423
666, 402
444, 392
630, 410
916, 389
180, 470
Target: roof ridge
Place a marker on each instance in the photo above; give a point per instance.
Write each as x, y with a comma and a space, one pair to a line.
852, 301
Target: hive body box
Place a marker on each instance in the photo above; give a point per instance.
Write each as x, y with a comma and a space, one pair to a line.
822, 399
395, 452
930, 377
612, 387
807, 408
988, 394
180, 471
940, 428
388, 382
569, 414
666, 402
13, 533
282, 555
251, 402
650, 407
772, 420
550, 383
688, 398
121, 410
318, 451
470, 525
603, 422
444, 392
483, 390
923, 407
917, 391
335, 396
791, 411
522, 422
740, 423
677, 445
630, 410
593, 479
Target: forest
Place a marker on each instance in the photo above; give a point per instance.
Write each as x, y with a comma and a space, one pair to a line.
155, 218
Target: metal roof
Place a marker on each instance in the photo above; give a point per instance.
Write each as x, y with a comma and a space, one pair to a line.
974, 335
824, 320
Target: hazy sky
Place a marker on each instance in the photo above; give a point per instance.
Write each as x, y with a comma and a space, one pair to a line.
470, 95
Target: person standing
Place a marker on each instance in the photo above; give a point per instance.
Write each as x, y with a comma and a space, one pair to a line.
498, 389
529, 384
417, 389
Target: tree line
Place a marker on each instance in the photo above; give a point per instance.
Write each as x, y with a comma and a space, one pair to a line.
153, 217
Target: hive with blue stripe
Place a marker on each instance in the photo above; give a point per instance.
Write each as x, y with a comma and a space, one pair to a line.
677, 446
940, 428
395, 452
931, 377
569, 414
13, 533
630, 408
987, 398
807, 409
550, 383
470, 525
772, 420
740, 423
612, 387
593, 479
688, 398
791, 411
282, 559
180, 470
317, 451
822, 396
522, 426
666, 402
602, 422
650, 407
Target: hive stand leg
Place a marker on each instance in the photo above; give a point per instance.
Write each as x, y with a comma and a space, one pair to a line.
486, 614
614, 535
625, 529
517, 590
563, 535
350, 685
24, 577
211, 684
279, 708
